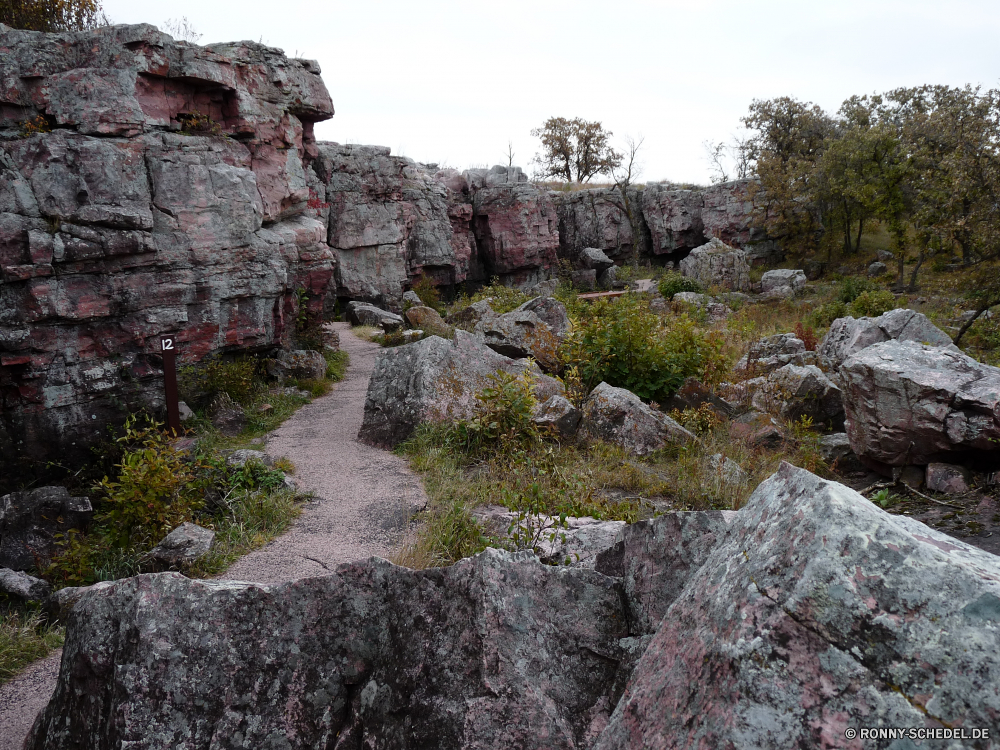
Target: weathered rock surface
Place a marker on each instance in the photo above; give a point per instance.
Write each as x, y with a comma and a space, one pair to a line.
714, 309
848, 336
758, 429
782, 283
22, 587
435, 379
693, 394
183, 546
524, 333
595, 218
910, 403
300, 364
30, 522
115, 229
243, 456
718, 264
616, 415
559, 414
428, 320
367, 314
468, 317
594, 257
947, 478
495, 651
771, 353
817, 612
793, 392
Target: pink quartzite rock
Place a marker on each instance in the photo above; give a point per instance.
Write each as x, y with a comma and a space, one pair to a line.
495, 651
616, 415
516, 228
673, 217
818, 612
909, 403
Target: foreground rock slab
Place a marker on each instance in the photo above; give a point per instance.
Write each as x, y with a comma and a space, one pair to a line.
818, 612
495, 651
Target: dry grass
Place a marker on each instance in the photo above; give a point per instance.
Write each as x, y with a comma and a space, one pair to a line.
24, 637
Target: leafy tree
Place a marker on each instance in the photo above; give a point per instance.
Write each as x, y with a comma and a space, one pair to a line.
52, 15
575, 149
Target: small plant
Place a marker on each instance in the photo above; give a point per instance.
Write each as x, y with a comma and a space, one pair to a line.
674, 283
428, 293
35, 126
196, 123
824, 315
576, 391
503, 299
25, 636
701, 419
807, 335
873, 303
314, 201
853, 286
503, 421
241, 379
884, 498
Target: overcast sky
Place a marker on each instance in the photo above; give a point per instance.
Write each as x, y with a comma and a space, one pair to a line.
453, 82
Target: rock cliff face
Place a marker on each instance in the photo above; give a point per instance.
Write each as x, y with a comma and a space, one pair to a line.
168, 197
670, 221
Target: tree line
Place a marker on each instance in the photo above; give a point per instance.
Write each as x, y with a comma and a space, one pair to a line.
52, 15
924, 162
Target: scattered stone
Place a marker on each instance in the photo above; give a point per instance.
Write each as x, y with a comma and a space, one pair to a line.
428, 320
725, 470
184, 545
608, 279
592, 257
947, 478
467, 317
644, 285
616, 415
523, 333
692, 394
331, 337
814, 269
366, 314
774, 352
876, 269
909, 403
585, 280
848, 336
782, 283
757, 429
265, 408
438, 380
714, 310
544, 288
414, 334
885, 255
302, 364
25, 588
718, 264
413, 298
835, 449
32, 521
185, 411
227, 416
559, 414
239, 458
794, 392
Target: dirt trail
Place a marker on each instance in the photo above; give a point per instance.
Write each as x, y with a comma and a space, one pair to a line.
364, 500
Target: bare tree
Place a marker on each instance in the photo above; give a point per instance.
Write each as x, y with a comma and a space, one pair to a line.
717, 160
624, 176
182, 29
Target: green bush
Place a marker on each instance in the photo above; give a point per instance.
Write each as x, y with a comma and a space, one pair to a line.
241, 378
673, 283
853, 286
428, 293
503, 420
623, 343
504, 298
824, 315
872, 304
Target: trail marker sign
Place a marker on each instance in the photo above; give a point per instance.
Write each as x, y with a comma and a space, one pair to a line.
168, 347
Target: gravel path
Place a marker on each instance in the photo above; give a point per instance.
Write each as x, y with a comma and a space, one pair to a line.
365, 498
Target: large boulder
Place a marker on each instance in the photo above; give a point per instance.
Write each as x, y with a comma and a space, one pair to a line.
558, 414
367, 314
793, 392
911, 403
428, 320
616, 415
494, 651
300, 364
183, 546
848, 336
523, 332
593, 257
817, 613
32, 523
782, 283
435, 379
468, 317
718, 264
773, 352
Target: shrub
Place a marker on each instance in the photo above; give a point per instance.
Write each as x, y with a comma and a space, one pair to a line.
853, 286
673, 283
428, 293
157, 489
824, 315
502, 423
241, 379
504, 298
807, 335
873, 303
623, 343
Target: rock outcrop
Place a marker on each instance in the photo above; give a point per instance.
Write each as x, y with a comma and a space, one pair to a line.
807, 612
910, 403
435, 380
535, 329
848, 336
618, 416
169, 197
718, 264
32, 522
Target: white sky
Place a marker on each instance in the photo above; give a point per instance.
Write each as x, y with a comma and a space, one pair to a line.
453, 82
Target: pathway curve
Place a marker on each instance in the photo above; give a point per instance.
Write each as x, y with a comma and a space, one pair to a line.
365, 498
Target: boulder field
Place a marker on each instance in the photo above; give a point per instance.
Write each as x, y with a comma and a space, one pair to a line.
807, 612
150, 186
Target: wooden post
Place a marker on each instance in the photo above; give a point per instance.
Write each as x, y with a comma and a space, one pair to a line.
168, 346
